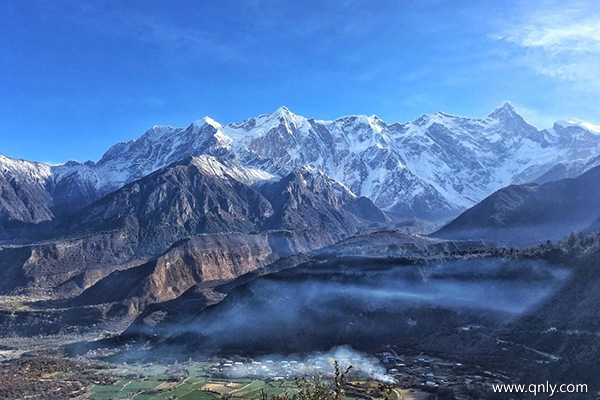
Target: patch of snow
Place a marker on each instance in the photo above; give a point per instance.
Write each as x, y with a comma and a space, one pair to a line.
579, 123
32, 171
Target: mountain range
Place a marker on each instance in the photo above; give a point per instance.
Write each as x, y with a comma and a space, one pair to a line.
431, 168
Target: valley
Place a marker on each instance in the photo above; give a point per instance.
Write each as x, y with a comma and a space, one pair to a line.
409, 318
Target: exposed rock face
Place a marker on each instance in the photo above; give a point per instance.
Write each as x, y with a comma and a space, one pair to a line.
531, 213
308, 199
73, 262
205, 259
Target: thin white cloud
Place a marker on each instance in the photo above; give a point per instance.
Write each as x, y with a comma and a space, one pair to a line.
560, 41
557, 34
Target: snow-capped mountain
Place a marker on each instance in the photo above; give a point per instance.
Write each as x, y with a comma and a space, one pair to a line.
433, 167
23, 194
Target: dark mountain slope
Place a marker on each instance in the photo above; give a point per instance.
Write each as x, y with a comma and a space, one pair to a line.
308, 199
367, 302
524, 214
567, 324
312, 209
174, 203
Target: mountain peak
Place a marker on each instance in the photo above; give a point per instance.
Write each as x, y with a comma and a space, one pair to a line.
306, 169
503, 109
579, 123
282, 115
206, 121
284, 112
282, 109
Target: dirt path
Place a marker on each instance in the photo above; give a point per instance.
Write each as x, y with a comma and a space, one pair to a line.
242, 388
403, 394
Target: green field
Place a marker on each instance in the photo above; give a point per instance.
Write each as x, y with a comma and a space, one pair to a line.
195, 387
157, 383
189, 382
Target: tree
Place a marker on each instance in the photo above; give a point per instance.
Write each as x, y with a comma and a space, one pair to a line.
315, 388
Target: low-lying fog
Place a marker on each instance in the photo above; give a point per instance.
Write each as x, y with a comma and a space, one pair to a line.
323, 306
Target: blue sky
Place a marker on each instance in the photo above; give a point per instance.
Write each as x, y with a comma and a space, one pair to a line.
77, 76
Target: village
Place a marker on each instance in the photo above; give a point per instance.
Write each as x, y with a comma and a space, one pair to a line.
406, 371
